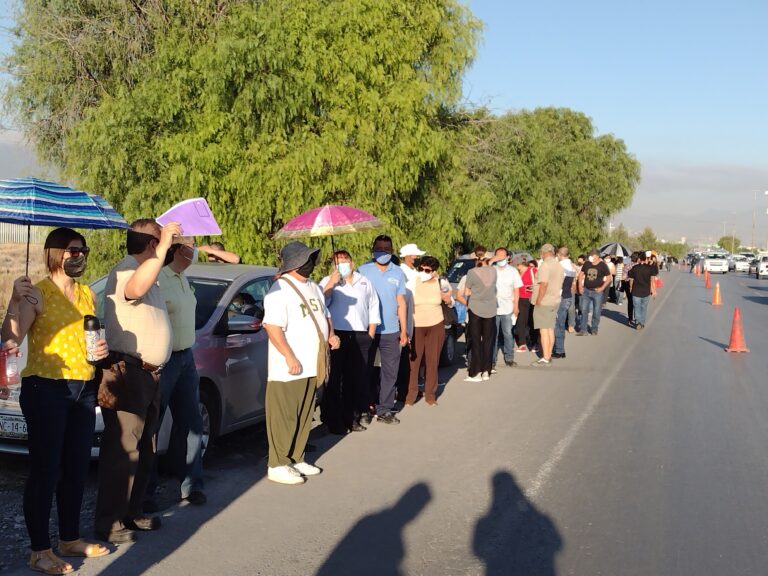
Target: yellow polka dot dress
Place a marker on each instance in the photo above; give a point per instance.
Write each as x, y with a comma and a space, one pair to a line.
57, 337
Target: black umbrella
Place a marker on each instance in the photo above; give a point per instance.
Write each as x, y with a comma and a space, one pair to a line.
615, 249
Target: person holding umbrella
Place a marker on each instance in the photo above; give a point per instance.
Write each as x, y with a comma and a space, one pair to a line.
58, 396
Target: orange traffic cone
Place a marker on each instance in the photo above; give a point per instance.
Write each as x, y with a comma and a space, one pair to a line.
707, 281
737, 343
698, 270
716, 300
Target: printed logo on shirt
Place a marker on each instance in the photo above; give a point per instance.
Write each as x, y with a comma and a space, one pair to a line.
394, 281
592, 274
314, 304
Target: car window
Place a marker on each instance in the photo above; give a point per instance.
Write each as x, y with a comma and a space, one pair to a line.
249, 301
208, 293
459, 268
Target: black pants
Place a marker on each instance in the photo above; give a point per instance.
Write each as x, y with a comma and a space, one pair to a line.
630, 304
481, 331
346, 394
523, 320
60, 417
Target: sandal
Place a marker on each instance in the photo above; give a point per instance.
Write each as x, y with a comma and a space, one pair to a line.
81, 549
47, 562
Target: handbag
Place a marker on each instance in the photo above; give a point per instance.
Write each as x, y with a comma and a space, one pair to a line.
450, 317
323, 351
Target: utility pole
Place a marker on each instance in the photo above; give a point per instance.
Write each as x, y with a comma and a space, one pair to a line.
754, 211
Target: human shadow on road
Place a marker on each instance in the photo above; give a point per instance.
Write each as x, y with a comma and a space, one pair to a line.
374, 546
757, 299
514, 538
615, 315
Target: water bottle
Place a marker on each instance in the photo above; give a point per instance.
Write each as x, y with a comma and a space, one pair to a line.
92, 336
9, 369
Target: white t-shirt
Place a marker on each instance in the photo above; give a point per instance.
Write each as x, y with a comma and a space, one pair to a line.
507, 279
410, 284
284, 308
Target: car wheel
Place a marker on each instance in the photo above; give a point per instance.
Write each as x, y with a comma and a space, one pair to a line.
208, 412
448, 354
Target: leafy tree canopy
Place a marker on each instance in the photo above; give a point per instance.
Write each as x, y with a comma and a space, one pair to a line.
543, 176
729, 243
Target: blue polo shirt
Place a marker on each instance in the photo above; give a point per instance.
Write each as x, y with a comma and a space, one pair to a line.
388, 284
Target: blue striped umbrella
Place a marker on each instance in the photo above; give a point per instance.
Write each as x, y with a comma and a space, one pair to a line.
33, 202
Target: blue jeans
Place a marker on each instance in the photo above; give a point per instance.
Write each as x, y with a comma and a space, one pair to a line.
594, 300
572, 313
640, 305
503, 329
60, 417
180, 391
389, 349
562, 315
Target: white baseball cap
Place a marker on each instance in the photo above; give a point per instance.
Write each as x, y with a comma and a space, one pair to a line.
411, 250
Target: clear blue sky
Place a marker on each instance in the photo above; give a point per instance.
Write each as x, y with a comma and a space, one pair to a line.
675, 79
684, 83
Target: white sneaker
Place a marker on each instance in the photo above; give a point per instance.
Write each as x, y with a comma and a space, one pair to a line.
477, 378
285, 475
493, 371
485, 376
306, 469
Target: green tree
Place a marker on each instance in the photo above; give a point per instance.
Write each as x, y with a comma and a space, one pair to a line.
729, 243
542, 176
647, 240
619, 234
264, 108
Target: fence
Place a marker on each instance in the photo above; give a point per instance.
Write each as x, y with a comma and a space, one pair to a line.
16, 234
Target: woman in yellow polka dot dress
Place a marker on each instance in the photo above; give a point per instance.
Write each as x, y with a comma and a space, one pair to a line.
58, 397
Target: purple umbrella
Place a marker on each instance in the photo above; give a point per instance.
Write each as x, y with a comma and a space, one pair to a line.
328, 221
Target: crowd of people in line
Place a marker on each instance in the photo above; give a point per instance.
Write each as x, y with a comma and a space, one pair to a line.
366, 340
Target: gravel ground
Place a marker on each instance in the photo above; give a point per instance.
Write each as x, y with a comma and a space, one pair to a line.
227, 453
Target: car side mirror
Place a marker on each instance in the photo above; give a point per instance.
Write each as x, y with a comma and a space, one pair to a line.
242, 324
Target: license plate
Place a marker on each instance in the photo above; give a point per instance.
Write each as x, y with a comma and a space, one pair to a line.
12, 426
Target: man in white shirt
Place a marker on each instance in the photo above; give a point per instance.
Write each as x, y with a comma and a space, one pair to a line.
508, 284
354, 307
296, 319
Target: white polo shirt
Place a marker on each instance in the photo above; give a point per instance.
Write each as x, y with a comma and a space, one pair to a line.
353, 305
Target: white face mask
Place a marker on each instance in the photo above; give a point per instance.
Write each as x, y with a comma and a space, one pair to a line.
425, 276
501, 263
345, 269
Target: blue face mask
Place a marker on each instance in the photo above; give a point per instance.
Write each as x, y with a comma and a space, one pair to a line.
345, 268
382, 258
501, 263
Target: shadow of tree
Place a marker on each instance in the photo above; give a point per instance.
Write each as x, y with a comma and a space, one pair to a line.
514, 538
374, 546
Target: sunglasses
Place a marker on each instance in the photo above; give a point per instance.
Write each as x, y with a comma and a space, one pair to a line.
77, 250
422, 269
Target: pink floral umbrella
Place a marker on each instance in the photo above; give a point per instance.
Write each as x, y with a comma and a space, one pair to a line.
328, 221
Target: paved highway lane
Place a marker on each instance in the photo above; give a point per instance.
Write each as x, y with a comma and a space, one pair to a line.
641, 453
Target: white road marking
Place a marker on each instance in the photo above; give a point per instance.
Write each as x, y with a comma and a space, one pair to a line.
544, 473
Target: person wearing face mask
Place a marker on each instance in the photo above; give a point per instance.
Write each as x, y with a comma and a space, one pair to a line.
58, 397
179, 380
594, 279
508, 284
392, 334
354, 308
295, 318
429, 330
141, 339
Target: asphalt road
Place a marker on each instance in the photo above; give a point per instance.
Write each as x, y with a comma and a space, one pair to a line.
642, 453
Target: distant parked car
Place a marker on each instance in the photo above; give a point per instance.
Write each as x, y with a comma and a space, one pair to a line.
762, 267
716, 263
230, 353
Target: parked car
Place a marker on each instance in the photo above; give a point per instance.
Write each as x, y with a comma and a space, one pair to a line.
230, 353
761, 267
715, 263
740, 263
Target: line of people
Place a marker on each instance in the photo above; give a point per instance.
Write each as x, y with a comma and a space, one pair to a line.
146, 368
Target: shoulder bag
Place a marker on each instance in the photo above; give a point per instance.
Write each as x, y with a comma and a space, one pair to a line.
323, 351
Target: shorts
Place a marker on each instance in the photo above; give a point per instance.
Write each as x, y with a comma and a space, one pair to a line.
544, 317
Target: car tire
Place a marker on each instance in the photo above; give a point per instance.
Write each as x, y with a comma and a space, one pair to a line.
208, 411
448, 353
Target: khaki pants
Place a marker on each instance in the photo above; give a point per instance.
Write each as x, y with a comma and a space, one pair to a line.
289, 407
127, 453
